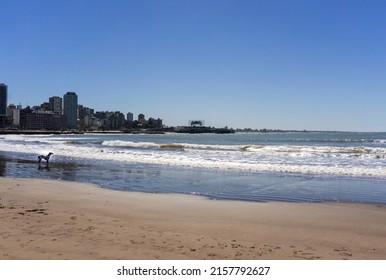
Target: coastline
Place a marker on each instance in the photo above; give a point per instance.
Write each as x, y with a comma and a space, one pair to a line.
179, 130
47, 219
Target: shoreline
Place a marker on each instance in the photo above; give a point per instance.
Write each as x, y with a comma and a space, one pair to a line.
47, 219
165, 131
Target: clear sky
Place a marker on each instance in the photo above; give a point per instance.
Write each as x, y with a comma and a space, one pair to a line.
280, 64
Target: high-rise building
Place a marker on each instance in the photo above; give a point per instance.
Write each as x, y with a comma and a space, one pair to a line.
3, 100
141, 118
41, 120
130, 117
56, 104
70, 109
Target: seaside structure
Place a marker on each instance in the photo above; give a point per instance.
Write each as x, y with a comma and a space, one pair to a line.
196, 123
130, 117
116, 120
197, 126
70, 109
154, 123
13, 115
86, 118
55, 104
141, 118
3, 99
41, 120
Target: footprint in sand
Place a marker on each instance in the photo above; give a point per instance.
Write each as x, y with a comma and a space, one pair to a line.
344, 252
306, 253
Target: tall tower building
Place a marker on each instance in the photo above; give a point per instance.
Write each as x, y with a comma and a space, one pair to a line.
3, 100
56, 104
70, 109
141, 118
130, 117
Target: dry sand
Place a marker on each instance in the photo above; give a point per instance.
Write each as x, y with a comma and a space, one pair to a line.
64, 220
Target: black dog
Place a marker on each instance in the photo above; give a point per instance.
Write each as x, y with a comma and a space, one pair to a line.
46, 158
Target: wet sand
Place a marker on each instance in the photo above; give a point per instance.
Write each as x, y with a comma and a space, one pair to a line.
45, 219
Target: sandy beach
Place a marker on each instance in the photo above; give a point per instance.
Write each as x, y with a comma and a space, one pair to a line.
42, 219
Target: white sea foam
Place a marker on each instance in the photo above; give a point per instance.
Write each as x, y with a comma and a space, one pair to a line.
147, 145
322, 160
130, 144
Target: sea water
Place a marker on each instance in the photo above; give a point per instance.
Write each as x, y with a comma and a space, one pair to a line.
293, 166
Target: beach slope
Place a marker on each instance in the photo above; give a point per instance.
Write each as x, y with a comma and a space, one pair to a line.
42, 219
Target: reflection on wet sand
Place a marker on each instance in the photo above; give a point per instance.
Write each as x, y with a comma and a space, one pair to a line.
16, 167
129, 178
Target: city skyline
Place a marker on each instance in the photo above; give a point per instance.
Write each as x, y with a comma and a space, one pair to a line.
56, 105
313, 65
65, 114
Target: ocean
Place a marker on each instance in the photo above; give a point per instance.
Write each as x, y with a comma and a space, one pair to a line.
292, 166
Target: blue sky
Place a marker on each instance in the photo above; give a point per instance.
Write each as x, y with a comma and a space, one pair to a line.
278, 64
